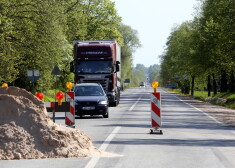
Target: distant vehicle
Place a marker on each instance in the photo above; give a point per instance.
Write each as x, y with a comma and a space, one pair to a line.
90, 99
142, 84
99, 62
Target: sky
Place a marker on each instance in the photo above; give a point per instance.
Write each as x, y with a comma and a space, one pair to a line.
154, 20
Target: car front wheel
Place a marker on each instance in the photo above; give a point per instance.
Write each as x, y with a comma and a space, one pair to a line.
106, 115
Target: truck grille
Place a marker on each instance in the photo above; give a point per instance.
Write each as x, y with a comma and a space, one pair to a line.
103, 82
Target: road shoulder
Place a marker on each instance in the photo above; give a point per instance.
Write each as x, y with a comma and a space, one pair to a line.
222, 114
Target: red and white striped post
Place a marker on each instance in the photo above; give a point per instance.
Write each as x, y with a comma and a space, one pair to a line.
70, 116
156, 110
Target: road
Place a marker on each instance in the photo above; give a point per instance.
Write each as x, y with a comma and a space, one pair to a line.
191, 139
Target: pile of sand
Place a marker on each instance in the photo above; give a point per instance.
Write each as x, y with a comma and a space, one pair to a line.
27, 132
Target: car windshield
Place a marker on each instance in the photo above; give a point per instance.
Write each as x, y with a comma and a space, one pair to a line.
94, 67
88, 91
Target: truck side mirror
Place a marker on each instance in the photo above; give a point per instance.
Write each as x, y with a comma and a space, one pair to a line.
72, 66
117, 66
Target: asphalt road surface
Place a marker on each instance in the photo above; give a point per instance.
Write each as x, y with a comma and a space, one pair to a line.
191, 138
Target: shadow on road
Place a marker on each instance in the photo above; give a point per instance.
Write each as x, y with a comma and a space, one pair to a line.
175, 142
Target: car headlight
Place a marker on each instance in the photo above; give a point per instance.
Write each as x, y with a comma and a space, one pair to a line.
103, 102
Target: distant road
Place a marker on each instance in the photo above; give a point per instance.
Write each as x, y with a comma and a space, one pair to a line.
190, 139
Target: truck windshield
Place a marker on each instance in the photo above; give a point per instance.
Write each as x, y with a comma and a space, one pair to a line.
97, 67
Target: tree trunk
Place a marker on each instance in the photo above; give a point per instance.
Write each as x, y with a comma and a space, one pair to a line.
214, 84
232, 82
187, 86
209, 85
192, 87
224, 85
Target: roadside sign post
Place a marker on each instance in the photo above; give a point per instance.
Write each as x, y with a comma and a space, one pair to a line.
33, 76
125, 81
56, 71
53, 113
156, 110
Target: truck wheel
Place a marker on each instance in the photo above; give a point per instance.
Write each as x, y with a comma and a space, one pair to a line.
115, 103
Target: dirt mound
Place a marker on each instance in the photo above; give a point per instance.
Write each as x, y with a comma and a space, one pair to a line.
27, 132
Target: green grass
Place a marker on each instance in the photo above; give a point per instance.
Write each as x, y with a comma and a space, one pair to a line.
226, 95
48, 99
200, 94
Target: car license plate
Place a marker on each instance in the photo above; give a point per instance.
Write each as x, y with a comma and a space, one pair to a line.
88, 108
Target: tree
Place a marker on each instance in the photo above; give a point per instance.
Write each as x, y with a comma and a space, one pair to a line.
93, 20
39, 34
130, 44
182, 50
139, 75
203, 48
217, 39
154, 73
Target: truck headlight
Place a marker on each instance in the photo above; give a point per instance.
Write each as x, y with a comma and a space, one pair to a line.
103, 102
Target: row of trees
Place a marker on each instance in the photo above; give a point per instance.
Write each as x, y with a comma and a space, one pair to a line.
201, 52
140, 73
39, 34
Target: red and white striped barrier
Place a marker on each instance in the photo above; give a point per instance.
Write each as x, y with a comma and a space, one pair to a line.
156, 111
70, 116
68, 107
49, 104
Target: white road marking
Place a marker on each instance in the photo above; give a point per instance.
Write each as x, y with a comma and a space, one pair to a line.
214, 119
133, 106
197, 109
201, 111
103, 147
92, 163
106, 143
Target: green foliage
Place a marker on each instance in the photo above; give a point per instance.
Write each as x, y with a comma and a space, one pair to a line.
203, 48
139, 75
39, 35
92, 20
130, 44
154, 73
34, 40
181, 50
9, 56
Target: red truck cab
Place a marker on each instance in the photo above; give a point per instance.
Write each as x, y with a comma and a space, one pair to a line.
99, 62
